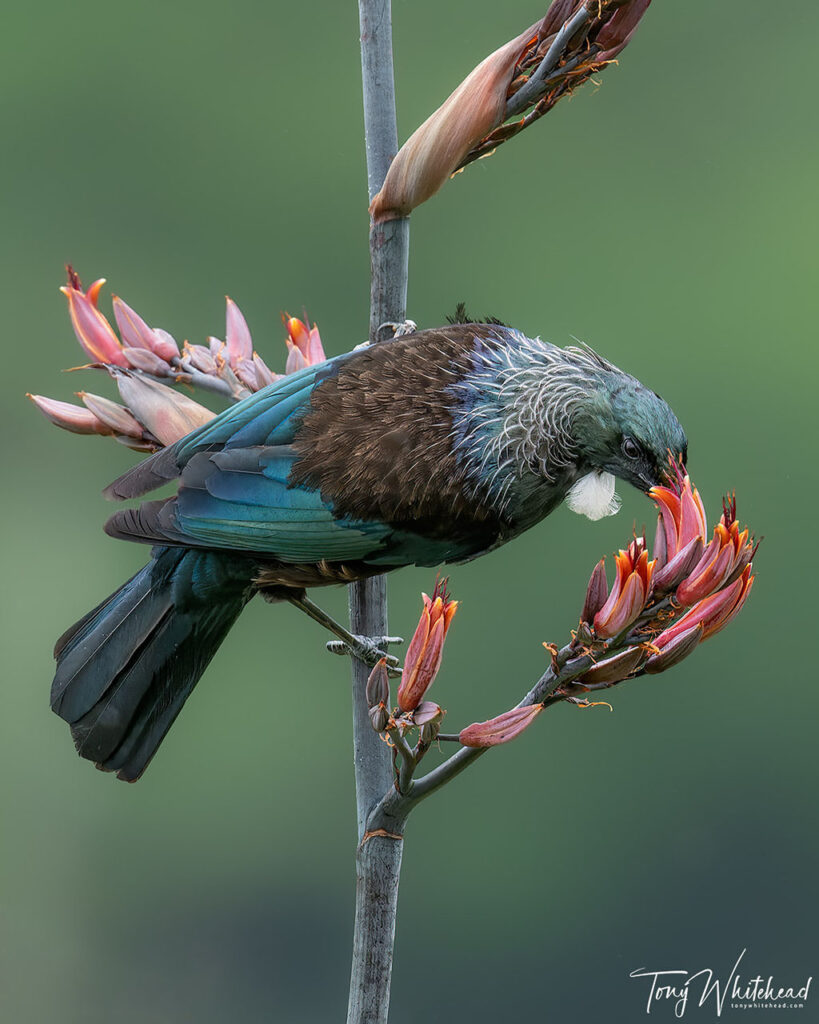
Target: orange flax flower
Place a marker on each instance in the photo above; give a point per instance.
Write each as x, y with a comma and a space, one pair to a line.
629, 593
426, 647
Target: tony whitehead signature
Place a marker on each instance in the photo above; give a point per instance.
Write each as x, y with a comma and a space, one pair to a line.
676, 987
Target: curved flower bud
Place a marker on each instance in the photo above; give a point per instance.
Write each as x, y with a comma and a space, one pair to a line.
166, 413
575, 39
428, 716
378, 685
70, 417
264, 374
679, 567
379, 717
713, 613
426, 647
629, 593
614, 670
137, 334
682, 515
237, 335
147, 361
675, 650
618, 30
434, 151
306, 340
245, 370
112, 414
94, 333
295, 360
201, 358
596, 592
426, 712
726, 555
501, 729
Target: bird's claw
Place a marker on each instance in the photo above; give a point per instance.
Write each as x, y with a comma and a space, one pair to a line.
392, 329
369, 650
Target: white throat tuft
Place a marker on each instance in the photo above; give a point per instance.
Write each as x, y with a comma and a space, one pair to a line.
594, 496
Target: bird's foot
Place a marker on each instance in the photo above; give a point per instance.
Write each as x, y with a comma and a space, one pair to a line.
392, 329
369, 649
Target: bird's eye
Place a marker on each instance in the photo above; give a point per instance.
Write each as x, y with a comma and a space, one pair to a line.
631, 449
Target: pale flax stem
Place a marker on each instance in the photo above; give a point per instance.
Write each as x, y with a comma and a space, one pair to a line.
378, 858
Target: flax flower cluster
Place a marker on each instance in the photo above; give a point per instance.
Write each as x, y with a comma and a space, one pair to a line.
145, 360
657, 611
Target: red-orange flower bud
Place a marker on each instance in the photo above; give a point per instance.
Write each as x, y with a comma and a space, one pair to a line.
712, 612
426, 647
728, 553
629, 592
675, 650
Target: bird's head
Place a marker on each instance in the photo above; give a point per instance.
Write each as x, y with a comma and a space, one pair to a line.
627, 430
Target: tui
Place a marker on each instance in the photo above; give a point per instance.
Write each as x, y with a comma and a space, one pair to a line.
435, 447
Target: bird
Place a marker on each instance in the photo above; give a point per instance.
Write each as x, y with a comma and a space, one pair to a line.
433, 448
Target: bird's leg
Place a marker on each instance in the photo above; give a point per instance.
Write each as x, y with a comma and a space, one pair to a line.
365, 648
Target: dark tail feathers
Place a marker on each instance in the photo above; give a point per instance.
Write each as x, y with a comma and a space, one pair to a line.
125, 669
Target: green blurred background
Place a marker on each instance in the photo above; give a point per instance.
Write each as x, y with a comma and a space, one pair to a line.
668, 218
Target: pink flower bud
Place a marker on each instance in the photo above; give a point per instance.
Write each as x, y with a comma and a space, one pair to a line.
245, 370
70, 417
147, 361
501, 729
112, 414
166, 413
434, 151
237, 335
94, 333
295, 360
137, 334
264, 375
201, 358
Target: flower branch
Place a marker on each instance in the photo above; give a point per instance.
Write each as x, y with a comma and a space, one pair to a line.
144, 361
656, 613
527, 76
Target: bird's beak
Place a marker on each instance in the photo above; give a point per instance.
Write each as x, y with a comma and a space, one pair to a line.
648, 482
